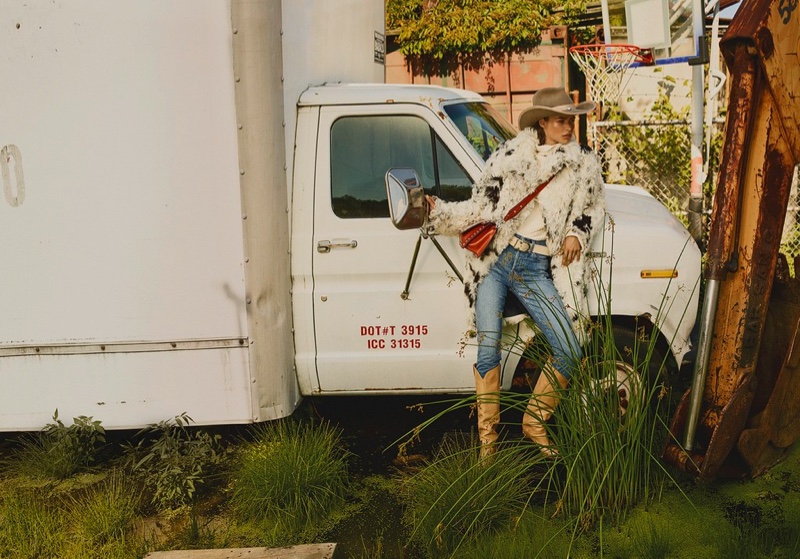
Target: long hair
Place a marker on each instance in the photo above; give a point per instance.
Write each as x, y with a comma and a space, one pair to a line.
539, 132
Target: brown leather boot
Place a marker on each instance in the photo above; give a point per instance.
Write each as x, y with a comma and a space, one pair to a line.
543, 401
487, 390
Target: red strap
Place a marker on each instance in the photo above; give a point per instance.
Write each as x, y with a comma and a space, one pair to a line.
518, 208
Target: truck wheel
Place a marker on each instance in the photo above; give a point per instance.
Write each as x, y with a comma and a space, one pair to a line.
629, 371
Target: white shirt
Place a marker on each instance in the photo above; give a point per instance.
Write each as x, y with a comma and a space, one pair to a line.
533, 226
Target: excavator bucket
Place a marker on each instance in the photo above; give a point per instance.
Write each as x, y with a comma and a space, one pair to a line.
774, 422
749, 412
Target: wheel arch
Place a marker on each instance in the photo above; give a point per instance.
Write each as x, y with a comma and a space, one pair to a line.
643, 323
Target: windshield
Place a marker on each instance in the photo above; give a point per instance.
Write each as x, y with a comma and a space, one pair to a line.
481, 125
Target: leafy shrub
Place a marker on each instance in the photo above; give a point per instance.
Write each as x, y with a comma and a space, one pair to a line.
173, 460
291, 476
58, 450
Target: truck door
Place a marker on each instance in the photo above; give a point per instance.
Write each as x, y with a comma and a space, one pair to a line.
367, 336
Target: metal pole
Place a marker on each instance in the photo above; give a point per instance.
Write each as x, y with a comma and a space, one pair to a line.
698, 175
404, 294
707, 317
709, 310
447, 259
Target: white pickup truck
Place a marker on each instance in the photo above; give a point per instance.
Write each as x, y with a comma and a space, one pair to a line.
189, 225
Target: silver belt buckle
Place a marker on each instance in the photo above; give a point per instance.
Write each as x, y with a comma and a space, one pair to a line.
521, 245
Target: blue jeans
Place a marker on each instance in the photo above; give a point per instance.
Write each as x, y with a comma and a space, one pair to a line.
528, 276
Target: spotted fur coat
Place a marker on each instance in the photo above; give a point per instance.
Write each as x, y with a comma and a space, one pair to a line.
572, 204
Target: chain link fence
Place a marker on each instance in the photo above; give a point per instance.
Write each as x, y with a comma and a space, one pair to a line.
652, 154
790, 242
656, 154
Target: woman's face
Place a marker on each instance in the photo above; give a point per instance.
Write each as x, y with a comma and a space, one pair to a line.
557, 129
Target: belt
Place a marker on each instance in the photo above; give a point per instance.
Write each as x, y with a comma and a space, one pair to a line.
527, 245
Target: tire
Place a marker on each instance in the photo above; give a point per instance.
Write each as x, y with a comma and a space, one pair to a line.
635, 366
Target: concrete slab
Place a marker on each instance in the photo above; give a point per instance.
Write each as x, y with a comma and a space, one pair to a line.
308, 551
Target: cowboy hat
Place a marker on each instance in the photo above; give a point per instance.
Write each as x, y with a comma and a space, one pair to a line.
552, 101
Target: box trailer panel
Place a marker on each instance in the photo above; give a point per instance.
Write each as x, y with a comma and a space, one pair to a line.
124, 222
132, 389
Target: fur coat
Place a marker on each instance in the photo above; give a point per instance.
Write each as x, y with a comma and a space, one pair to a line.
572, 204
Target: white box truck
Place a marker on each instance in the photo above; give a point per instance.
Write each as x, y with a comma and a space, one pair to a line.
194, 215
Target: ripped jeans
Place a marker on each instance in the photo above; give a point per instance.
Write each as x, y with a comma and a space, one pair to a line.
528, 276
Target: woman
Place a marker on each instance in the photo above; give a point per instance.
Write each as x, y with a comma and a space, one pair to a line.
540, 255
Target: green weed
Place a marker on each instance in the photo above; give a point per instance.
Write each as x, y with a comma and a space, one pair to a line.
174, 461
30, 526
106, 513
652, 540
533, 536
58, 451
609, 429
291, 478
458, 498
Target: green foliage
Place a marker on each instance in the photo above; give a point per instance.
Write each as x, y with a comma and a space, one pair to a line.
458, 498
790, 244
652, 540
91, 524
531, 535
291, 478
659, 153
58, 451
609, 433
446, 29
30, 527
173, 460
107, 512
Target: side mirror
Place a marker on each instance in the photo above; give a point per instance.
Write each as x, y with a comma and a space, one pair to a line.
407, 205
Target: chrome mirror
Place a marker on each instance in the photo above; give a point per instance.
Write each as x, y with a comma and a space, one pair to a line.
407, 205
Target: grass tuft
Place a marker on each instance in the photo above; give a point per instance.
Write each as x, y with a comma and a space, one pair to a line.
652, 540
30, 527
458, 497
106, 513
291, 477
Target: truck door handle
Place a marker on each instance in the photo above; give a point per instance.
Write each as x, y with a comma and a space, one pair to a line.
326, 246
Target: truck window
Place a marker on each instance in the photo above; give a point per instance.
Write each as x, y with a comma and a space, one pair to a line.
481, 125
363, 148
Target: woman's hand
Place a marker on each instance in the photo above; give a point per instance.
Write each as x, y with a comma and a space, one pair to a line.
431, 202
570, 250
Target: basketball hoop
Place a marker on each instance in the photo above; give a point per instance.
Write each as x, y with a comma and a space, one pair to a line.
605, 67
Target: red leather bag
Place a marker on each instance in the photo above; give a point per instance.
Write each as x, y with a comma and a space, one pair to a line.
477, 237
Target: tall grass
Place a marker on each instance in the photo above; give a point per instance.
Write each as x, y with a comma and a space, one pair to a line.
106, 513
291, 477
87, 523
609, 430
611, 426
458, 497
612, 420
30, 527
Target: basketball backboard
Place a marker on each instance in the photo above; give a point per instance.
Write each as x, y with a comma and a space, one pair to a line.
664, 26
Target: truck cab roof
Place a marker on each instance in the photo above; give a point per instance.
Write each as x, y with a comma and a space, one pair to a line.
357, 93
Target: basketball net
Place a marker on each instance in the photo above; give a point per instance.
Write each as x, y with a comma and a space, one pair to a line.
605, 67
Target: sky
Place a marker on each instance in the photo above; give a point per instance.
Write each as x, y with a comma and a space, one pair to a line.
729, 11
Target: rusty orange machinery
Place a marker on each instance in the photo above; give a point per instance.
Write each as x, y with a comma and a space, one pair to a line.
743, 409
